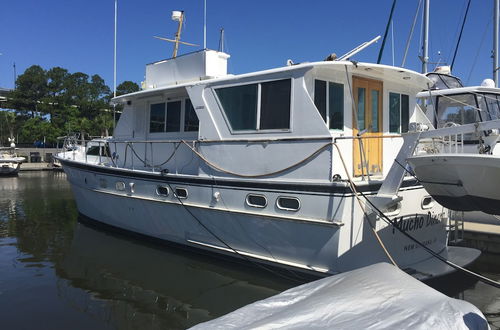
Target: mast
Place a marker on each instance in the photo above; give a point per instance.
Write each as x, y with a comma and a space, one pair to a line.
180, 18
495, 41
425, 45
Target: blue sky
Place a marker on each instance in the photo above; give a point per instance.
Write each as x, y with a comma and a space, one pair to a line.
78, 34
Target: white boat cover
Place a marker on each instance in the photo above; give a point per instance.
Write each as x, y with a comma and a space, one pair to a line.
379, 296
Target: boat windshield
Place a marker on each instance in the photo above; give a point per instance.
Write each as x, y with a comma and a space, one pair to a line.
444, 81
457, 109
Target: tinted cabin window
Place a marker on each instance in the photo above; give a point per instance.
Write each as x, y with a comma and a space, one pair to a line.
157, 118
394, 112
361, 108
320, 97
399, 113
275, 104
191, 122
240, 105
336, 105
329, 99
405, 113
173, 116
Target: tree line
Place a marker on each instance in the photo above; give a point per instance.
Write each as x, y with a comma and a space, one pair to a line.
46, 104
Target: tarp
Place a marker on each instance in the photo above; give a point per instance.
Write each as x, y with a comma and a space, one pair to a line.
379, 296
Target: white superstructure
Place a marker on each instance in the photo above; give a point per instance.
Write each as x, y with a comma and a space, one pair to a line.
265, 166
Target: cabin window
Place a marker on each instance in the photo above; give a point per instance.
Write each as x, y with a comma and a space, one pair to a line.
191, 122
173, 116
275, 105
399, 113
259, 201
157, 118
459, 109
493, 104
240, 105
329, 100
288, 203
98, 151
244, 111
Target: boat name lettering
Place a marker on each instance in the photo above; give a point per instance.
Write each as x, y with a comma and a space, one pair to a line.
415, 222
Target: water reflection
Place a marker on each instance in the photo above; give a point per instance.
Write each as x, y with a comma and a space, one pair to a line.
59, 273
111, 279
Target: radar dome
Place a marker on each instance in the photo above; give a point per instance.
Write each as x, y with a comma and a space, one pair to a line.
488, 83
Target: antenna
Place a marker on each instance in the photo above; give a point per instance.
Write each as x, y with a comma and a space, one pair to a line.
357, 49
205, 24
177, 16
221, 40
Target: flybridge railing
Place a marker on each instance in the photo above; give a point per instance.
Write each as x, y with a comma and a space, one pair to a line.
453, 139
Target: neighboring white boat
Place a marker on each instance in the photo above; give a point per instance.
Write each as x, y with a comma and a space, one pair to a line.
461, 170
10, 163
375, 297
258, 166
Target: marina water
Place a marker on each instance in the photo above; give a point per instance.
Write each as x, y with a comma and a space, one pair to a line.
57, 273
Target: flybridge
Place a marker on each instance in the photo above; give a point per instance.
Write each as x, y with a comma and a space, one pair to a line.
196, 66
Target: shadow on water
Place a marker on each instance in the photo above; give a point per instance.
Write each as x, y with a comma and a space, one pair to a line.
59, 273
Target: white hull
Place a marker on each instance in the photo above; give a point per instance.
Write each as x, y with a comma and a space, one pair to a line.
304, 240
461, 182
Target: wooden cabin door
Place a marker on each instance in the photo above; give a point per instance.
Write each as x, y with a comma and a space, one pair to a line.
367, 120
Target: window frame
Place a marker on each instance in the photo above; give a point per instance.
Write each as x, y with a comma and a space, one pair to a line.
400, 127
327, 102
439, 97
166, 100
258, 114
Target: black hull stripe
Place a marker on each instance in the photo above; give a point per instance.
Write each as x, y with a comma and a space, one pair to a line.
280, 186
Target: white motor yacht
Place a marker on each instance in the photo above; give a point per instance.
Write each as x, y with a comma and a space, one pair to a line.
274, 167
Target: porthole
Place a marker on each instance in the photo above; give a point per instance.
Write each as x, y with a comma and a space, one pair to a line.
393, 209
288, 203
256, 200
162, 191
427, 202
120, 186
181, 193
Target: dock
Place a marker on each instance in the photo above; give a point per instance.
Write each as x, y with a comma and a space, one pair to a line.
485, 237
42, 166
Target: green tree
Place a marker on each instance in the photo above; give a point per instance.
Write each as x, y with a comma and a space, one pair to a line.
31, 89
127, 87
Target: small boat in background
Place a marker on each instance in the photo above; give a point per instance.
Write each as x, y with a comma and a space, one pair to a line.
10, 163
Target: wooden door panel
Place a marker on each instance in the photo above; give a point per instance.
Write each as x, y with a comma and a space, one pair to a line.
367, 119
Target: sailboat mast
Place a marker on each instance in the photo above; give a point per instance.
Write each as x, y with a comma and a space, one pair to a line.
495, 41
425, 45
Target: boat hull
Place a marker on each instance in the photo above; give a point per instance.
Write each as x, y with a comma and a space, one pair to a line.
461, 182
303, 241
9, 168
